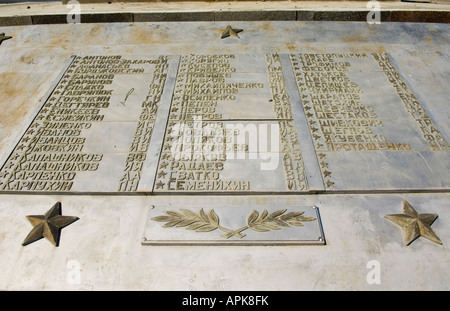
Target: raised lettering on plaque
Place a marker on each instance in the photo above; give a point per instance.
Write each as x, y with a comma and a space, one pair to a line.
369, 130
230, 128
93, 132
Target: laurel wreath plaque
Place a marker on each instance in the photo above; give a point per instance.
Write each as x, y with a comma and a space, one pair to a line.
206, 222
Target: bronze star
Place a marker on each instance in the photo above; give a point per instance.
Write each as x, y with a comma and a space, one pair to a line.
48, 225
230, 31
3, 37
414, 224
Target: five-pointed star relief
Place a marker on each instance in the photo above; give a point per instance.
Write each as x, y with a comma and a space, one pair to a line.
230, 31
3, 37
414, 224
48, 225
159, 184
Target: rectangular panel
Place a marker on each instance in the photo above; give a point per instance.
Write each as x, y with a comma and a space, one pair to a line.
230, 123
233, 225
231, 128
93, 132
369, 130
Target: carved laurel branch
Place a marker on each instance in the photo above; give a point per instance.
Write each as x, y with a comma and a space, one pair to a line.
205, 222
200, 222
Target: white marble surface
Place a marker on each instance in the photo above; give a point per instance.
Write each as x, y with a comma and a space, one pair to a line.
105, 243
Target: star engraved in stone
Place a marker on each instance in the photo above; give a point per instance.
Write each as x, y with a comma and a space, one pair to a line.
162, 174
3, 37
414, 224
230, 31
48, 225
329, 183
160, 185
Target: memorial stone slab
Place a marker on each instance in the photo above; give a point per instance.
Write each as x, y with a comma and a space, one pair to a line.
93, 131
230, 123
159, 135
370, 131
231, 128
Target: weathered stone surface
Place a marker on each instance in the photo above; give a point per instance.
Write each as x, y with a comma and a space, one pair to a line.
104, 247
233, 125
176, 11
106, 244
231, 128
369, 129
93, 132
